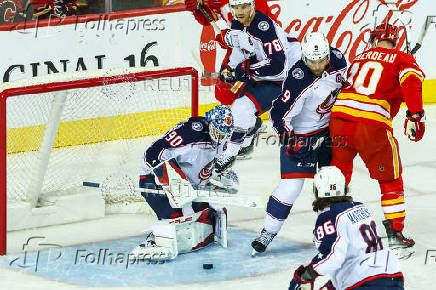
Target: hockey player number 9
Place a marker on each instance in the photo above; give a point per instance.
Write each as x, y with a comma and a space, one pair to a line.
368, 77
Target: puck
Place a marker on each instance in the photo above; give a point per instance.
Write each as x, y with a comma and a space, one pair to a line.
207, 266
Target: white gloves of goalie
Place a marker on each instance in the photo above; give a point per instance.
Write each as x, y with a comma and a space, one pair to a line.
227, 180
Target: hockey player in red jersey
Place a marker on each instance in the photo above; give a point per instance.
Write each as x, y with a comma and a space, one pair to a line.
379, 80
42, 9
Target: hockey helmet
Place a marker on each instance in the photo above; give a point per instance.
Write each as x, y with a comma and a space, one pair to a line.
239, 2
220, 121
314, 47
329, 182
385, 31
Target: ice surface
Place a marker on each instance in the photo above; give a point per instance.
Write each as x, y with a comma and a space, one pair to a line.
258, 177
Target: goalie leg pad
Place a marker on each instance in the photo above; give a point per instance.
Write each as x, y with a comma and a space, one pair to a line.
194, 232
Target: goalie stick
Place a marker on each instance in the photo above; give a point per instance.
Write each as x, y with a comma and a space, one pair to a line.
196, 195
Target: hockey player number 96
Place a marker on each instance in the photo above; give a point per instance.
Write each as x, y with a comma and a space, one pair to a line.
368, 77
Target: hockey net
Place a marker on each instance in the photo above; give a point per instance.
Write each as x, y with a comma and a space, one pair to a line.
60, 130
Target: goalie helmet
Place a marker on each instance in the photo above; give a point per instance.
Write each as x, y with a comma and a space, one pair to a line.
385, 31
239, 2
220, 121
315, 46
329, 182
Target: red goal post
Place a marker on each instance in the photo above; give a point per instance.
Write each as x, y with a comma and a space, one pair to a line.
114, 89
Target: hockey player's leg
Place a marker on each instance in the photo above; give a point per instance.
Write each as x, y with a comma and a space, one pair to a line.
384, 164
159, 203
167, 238
278, 209
343, 151
392, 202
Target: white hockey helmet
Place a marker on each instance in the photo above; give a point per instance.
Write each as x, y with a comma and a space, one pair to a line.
315, 46
239, 2
329, 182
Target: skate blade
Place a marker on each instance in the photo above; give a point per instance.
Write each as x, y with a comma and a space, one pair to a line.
403, 253
254, 253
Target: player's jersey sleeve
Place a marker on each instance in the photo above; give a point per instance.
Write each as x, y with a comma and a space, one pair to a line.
175, 142
290, 103
331, 240
410, 77
272, 56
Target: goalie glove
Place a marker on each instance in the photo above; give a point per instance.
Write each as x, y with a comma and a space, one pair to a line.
414, 126
223, 163
227, 180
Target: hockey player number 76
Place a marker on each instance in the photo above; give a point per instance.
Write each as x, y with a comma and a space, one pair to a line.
368, 77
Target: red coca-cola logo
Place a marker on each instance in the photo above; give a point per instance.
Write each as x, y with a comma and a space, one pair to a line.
208, 46
359, 13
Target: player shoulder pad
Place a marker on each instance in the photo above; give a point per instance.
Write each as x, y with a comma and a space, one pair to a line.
236, 25
338, 208
299, 78
194, 130
337, 59
261, 24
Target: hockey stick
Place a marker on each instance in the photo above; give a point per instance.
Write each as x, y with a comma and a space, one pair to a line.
211, 21
196, 195
428, 21
399, 15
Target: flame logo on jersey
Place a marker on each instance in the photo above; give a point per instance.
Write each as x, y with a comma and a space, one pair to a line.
328, 103
206, 171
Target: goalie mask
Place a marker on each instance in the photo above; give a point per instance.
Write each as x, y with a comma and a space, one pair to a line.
329, 182
385, 31
239, 2
220, 121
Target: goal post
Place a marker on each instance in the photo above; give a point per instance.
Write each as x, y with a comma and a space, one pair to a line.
58, 130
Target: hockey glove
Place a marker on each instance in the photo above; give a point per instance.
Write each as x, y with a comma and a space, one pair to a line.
191, 5
63, 8
298, 282
223, 163
227, 76
414, 126
242, 71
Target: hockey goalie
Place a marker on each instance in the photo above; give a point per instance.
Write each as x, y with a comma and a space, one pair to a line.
179, 163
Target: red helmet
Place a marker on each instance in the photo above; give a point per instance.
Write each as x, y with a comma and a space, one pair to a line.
385, 31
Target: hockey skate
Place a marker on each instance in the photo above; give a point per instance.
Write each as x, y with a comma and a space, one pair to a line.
260, 243
398, 243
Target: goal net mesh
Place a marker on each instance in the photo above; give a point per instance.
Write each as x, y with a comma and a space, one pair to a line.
71, 128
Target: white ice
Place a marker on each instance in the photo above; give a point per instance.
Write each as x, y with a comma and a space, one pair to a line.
258, 177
